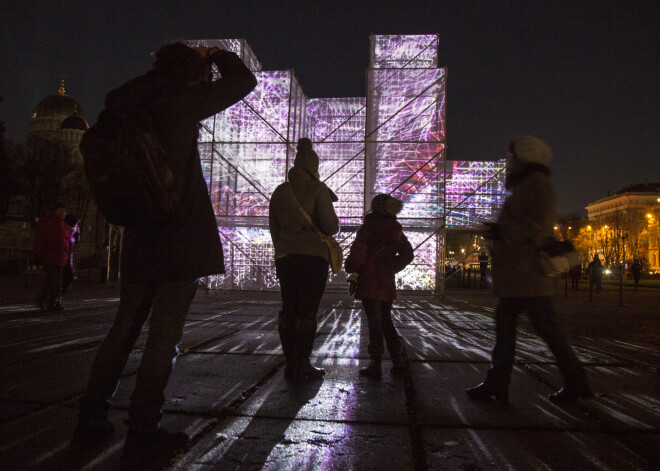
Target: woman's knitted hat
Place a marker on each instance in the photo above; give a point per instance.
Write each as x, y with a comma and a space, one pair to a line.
531, 150
386, 204
306, 157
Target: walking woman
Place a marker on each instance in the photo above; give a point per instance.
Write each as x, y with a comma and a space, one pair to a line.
301, 257
525, 223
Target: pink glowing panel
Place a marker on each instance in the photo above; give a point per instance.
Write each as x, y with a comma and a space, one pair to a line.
336, 126
249, 259
245, 148
421, 273
404, 51
405, 140
475, 192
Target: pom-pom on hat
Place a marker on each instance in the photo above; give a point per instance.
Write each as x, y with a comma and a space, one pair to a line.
531, 150
306, 157
386, 204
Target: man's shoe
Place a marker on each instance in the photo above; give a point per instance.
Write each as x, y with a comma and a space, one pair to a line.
91, 433
144, 451
567, 395
484, 391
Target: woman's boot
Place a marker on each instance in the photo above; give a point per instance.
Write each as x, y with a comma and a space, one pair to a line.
306, 332
400, 363
286, 327
374, 370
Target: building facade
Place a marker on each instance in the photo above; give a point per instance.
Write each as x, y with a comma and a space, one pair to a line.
630, 217
56, 127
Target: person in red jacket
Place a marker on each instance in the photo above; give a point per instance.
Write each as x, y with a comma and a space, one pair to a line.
380, 250
51, 247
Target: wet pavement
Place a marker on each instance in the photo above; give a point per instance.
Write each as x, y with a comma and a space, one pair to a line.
227, 390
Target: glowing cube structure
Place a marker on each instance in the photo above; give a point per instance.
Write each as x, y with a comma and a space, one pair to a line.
391, 141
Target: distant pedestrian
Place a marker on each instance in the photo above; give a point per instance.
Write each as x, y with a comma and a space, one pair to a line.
51, 247
595, 269
575, 273
103, 254
301, 257
379, 251
636, 269
69, 272
161, 263
526, 223
483, 269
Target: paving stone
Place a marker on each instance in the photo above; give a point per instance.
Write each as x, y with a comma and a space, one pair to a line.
249, 443
625, 399
341, 395
527, 449
262, 341
441, 400
203, 383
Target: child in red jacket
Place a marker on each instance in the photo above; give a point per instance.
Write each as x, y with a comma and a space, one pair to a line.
51, 247
379, 251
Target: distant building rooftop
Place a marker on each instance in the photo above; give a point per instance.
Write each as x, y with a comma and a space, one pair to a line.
645, 187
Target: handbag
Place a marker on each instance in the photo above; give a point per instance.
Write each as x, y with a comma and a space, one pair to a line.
556, 257
335, 252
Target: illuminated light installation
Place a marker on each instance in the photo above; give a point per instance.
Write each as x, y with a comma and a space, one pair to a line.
405, 143
392, 141
475, 192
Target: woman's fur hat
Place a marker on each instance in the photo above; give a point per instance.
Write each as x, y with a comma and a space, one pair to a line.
306, 157
386, 204
530, 150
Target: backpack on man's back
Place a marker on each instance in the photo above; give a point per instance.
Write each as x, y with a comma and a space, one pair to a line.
127, 169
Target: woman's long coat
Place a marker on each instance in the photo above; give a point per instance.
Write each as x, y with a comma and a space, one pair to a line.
525, 223
290, 231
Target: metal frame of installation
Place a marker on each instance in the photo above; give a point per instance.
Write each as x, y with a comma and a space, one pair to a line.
393, 141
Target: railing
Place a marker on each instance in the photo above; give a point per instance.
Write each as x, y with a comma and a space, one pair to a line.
616, 279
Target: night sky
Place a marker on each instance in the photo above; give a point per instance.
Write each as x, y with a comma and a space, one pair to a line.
582, 75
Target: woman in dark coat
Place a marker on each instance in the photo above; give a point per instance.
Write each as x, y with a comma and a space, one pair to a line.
526, 223
380, 250
301, 257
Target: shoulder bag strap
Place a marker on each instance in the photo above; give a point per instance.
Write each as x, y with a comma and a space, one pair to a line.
303, 212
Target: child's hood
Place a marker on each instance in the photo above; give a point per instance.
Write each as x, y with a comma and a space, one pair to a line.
382, 228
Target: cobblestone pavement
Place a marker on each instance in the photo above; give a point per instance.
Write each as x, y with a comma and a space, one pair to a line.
228, 392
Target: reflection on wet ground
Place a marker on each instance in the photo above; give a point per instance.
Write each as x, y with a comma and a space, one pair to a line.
229, 393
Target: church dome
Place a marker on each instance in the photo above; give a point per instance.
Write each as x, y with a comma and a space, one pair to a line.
74, 122
56, 106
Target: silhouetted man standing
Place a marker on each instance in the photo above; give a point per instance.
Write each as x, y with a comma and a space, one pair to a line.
161, 264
